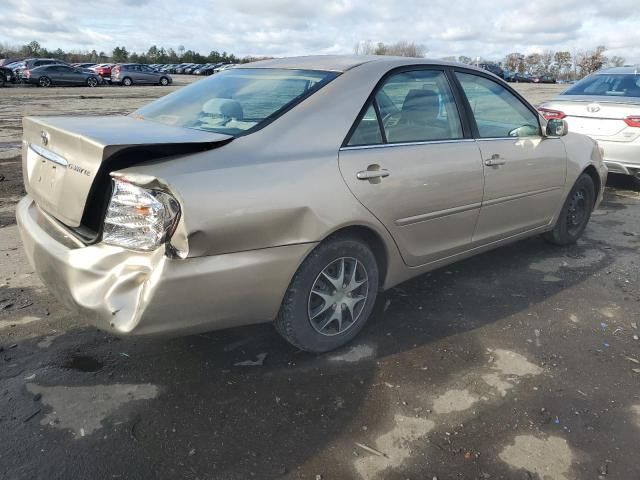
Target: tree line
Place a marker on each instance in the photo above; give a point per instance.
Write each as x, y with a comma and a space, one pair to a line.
121, 54
559, 64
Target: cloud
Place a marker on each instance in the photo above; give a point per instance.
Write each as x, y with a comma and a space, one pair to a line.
484, 28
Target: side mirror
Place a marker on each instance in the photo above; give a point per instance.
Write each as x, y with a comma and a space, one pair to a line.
557, 128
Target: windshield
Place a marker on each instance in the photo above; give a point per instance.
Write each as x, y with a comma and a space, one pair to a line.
608, 85
236, 100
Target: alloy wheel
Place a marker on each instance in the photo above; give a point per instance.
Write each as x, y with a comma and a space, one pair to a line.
44, 82
338, 296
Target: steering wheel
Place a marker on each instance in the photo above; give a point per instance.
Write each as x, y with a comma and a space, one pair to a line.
391, 119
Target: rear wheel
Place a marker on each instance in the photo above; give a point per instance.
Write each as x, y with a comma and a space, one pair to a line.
575, 213
2, 80
164, 81
331, 296
44, 82
127, 82
92, 82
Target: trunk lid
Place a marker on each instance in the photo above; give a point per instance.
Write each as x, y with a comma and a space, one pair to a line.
598, 117
63, 156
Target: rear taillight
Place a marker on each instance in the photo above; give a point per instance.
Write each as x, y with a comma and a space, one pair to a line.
550, 114
27, 73
633, 121
139, 218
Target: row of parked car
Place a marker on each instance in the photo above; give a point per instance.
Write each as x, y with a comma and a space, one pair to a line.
516, 77
193, 68
45, 72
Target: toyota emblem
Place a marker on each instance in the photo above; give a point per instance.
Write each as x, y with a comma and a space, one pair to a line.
44, 136
593, 108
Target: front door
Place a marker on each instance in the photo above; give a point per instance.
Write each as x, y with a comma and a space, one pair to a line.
409, 163
524, 171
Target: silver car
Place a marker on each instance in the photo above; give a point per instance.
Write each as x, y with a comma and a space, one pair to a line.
605, 106
293, 191
128, 74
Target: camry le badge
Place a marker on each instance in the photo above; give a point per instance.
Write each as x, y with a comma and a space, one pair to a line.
593, 108
44, 136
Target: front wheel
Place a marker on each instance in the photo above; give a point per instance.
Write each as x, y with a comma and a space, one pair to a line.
164, 81
92, 82
575, 213
331, 295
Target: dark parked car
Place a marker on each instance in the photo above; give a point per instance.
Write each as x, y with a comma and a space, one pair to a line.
129, 73
493, 68
32, 63
6, 76
208, 69
6, 61
544, 79
60, 75
521, 78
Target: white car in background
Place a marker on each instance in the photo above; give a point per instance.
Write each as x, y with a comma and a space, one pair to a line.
605, 106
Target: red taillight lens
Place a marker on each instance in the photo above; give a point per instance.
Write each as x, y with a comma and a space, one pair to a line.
633, 121
27, 73
550, 114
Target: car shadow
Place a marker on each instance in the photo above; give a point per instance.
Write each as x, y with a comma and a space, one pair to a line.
242, 403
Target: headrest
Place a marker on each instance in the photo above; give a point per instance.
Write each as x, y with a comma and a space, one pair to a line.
420, 99
225, 107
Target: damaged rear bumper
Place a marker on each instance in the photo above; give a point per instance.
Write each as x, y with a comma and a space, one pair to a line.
148, 293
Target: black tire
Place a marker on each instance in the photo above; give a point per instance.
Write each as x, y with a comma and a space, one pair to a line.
636, 180
2, 80
44, 82
127, 82
575, 213
92, 82
294, 319
164, 81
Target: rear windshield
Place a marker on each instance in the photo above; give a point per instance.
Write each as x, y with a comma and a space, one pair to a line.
235, 101
608, 85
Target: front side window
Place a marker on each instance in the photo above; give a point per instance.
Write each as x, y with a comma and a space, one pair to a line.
608, 85
418, 106
498, 113
414, 106
237, 100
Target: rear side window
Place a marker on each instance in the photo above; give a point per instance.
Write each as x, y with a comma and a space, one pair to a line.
607, 85
368, 130
497, 112
415, 106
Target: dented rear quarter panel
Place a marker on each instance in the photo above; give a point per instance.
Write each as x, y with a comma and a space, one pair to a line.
278, 186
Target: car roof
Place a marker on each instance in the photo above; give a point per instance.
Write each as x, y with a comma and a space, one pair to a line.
342, 63
633, 69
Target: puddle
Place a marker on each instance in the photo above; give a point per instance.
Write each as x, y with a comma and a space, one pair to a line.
82, 363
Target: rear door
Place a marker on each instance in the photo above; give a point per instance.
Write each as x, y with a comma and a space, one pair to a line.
410, 160
524, 171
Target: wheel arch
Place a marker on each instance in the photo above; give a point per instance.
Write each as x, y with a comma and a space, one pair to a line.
373, 239
593, 173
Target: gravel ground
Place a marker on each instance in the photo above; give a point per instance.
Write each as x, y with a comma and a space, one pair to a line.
521, 363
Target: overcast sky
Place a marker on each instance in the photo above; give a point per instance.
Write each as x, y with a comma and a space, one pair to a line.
487, 28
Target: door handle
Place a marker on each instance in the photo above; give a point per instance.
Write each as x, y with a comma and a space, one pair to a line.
369, 174
495, 161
